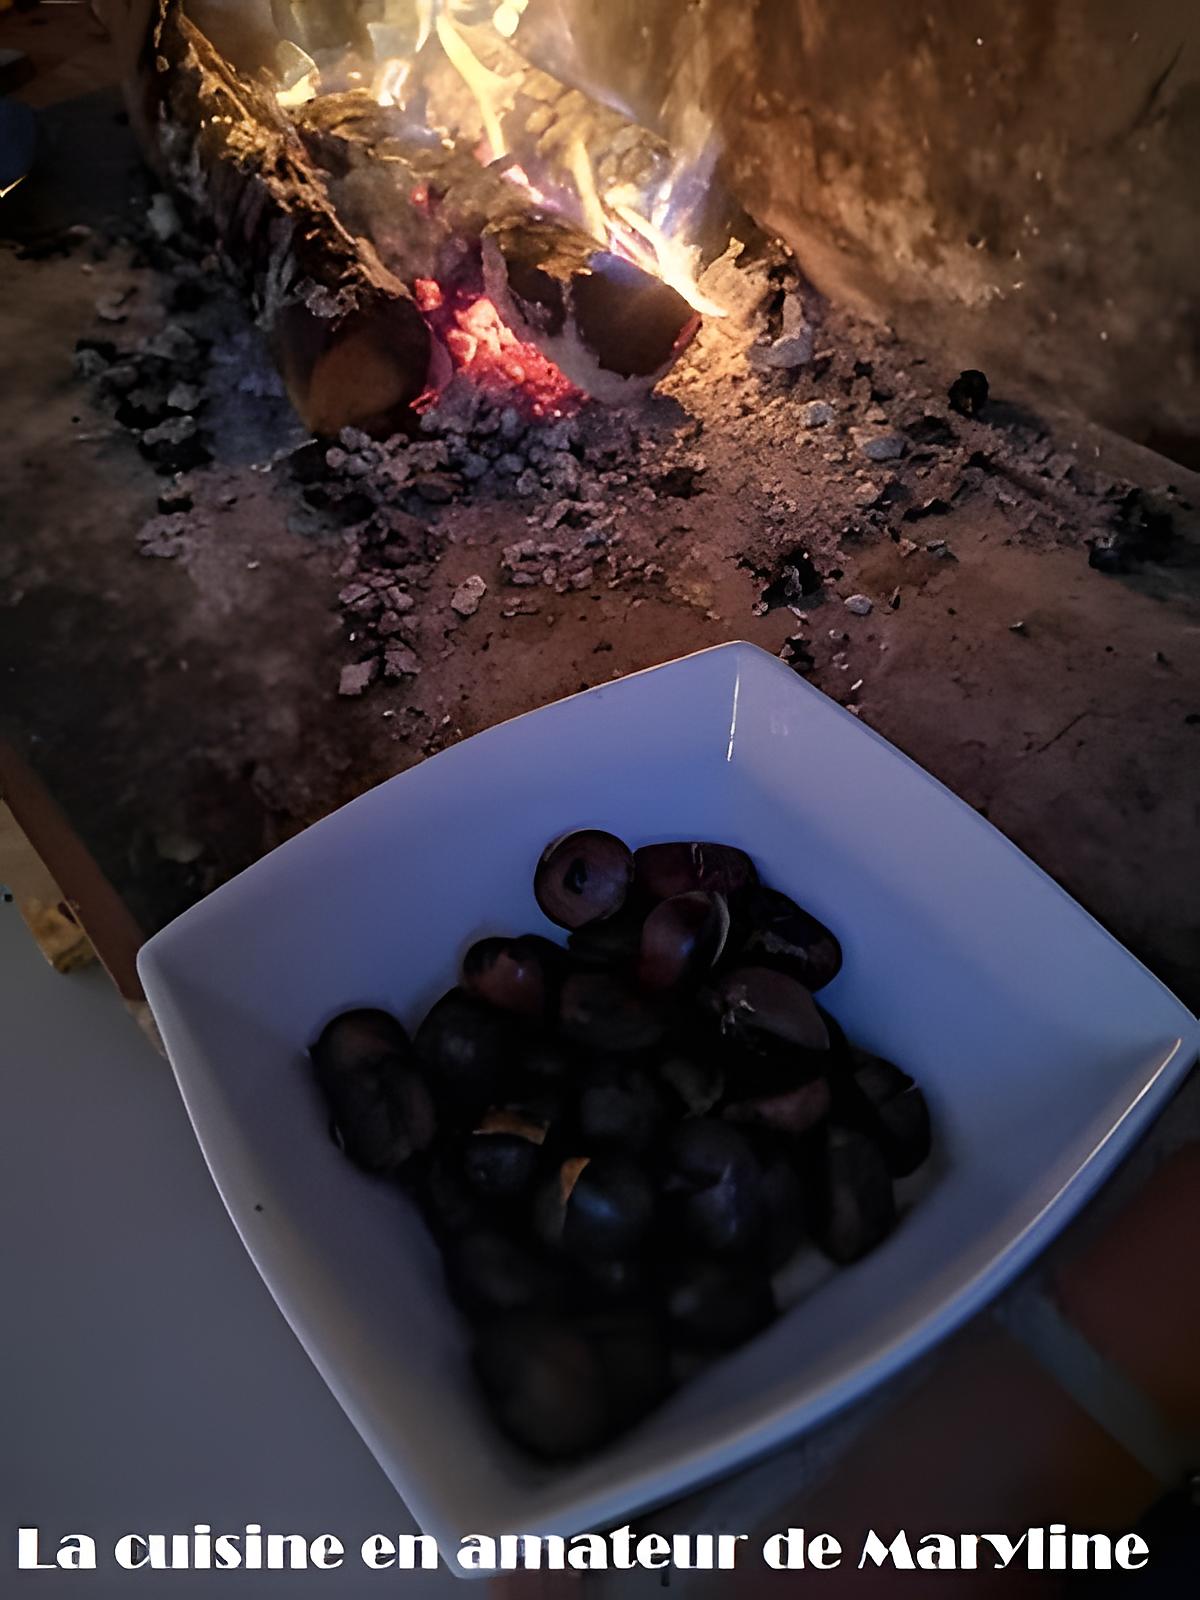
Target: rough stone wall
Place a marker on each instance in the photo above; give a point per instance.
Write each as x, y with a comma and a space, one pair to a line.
1016, 181
1013, 182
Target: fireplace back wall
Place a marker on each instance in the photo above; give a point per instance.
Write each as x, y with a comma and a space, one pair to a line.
1011, 181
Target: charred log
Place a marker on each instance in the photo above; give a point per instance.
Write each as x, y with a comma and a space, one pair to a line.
333, 213
349, 338
431, 211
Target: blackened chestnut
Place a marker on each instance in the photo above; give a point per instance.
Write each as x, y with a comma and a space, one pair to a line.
544, 1061
793, 1110
772, 930
500, 1157
763, 1010
663, 870
597, 1206
784, 1212
488, 1271
682, 939
613, 943
450, 1204
515, 974
583, 877
619, 1105
355, 1039
853, 1206
716, 1305
464, 1046
598, 1010
696, 1080
634, 1357
610, 1280
545, 1383
712, 1187
382, 1110
899, 1115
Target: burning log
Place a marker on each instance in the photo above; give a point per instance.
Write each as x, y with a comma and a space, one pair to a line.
338, 214
433, 213
349, 337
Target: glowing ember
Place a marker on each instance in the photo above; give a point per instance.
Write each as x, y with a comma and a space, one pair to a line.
481, 344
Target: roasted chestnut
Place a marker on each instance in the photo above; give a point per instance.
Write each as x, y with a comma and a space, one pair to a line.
663, 870
500, 1157
634, 1357
697, 1080
382, 1110
784, 1211
715, 1305
636, 1131
546, 1384
355, 1039
794, 1110
583, 877
619, 1105
899, 1115
772, 930
610, 1280
763, 1010
613, 943
544, 1061
515, 974
598, 1010
488, 1271
597, 1206
464, 1046
450, 1204
852, 1204
682, 939
712, 1187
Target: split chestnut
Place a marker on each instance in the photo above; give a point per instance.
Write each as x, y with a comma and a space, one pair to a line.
618, 1143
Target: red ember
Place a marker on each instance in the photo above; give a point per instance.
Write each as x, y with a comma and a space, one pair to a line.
481, 344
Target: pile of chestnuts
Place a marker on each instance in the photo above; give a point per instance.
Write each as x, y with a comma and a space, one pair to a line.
618, 1143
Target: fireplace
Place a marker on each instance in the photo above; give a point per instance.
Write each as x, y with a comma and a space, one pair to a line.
384, 432
579, 166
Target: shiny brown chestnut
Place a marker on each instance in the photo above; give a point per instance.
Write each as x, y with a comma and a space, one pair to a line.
853, 1206
696, 1081
712, 1187
717, 1305
545, 1383
583, 877
663, 870
792, 1111
488, 1271
619, 1106
500, 1157
631, 1347
761, 1009
900, 1120
596, 1206
353, 1039
772, 930
613, 943
380, 1104
598, 1010
518, 975
682, 939
785, 1211
464, 1046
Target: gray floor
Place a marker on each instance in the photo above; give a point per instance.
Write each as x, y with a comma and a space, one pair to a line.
149, 1382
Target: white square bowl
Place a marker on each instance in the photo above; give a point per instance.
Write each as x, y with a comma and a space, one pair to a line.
1044, 1048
